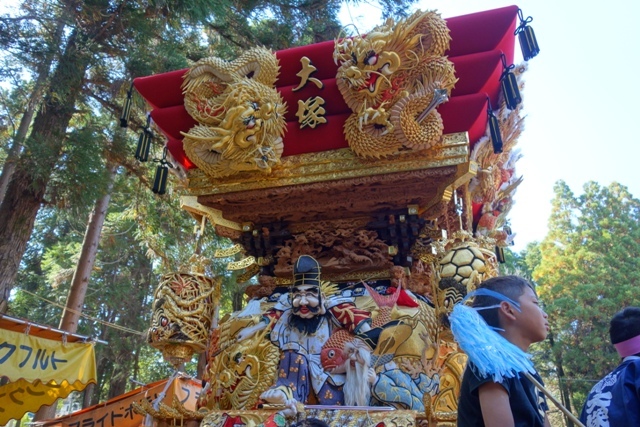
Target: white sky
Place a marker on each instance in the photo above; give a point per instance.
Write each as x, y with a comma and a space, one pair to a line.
581, 98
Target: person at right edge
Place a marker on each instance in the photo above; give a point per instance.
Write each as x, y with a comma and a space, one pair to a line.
615, 400
509, 306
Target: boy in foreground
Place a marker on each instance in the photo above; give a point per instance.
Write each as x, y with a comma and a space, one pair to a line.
510, 306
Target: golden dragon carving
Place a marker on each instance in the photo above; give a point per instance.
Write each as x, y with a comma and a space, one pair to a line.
392, 79
239, 112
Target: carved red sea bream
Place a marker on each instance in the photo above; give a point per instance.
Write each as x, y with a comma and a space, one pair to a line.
332, 356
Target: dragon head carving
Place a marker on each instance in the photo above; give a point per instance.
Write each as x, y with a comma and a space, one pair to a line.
240, 114
182, 313
392, 79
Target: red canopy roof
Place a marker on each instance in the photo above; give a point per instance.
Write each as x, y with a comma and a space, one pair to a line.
477, 42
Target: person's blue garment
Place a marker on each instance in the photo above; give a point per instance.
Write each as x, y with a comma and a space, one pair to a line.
615, 400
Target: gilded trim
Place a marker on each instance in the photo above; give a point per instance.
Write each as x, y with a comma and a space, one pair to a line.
191, 205
333, 165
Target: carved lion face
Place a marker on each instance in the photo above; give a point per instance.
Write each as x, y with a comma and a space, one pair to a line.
164, 328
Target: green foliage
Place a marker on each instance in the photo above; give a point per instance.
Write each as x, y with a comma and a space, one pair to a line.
587, 269
152, 366
12, 103
519, 264
80, 176
171, 51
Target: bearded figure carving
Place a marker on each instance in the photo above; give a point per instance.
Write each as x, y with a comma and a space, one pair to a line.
300, 323
359, 374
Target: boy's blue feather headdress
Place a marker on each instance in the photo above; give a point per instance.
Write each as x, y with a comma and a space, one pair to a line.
490, 353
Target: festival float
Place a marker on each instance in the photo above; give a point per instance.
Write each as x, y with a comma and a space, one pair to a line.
366, 183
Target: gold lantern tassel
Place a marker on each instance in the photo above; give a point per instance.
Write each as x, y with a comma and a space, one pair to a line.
162, 173
126, 111
526, 37
144, 142
509, 85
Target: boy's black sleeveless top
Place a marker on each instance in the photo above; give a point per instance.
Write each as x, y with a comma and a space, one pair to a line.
528, 404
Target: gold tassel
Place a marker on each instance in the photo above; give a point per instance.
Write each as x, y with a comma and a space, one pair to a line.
126, 111
494, 129
162, 173
527, 38
509, 85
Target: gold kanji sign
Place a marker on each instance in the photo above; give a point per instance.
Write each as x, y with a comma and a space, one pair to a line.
305, 74
310, 112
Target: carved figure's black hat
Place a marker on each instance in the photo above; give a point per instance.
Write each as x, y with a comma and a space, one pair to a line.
306, 271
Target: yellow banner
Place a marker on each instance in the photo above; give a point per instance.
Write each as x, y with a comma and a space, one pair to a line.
119, 410
40, 371
32, 358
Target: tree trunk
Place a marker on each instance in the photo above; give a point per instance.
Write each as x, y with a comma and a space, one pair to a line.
46, 412
564, 393
237, 297
202, 365
26, 191
118, 382
27, 117
562, 384
80, 281
16, 147
87, 395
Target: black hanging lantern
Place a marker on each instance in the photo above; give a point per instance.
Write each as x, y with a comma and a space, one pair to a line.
162, 173
509, 85
126, 111
527, 37
494, 129
144, 142
500, 255
160, 181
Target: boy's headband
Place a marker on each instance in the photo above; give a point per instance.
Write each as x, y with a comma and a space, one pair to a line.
490, 352
628, 347
483, 292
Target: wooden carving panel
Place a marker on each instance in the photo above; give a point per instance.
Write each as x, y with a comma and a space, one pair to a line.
347, 198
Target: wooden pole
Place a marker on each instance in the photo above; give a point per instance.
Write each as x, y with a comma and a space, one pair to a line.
554, 400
